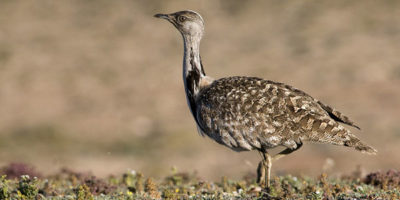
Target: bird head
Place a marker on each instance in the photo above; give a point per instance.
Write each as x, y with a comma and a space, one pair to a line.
189, 23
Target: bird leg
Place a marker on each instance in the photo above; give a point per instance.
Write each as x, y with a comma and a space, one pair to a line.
267, 165
264, 170
286, 152
261, 173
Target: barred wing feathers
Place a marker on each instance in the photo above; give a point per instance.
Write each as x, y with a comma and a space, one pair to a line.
246, 113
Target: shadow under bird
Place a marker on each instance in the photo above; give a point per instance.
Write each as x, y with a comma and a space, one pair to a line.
249, 113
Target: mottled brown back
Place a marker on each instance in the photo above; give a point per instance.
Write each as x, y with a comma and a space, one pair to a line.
246, 113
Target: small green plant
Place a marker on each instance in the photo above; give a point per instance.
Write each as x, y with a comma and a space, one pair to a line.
4, 188
27, 187
83, 193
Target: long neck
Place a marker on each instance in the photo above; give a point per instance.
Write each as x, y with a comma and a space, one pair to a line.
193, 70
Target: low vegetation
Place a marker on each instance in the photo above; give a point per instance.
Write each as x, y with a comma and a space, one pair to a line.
18, 181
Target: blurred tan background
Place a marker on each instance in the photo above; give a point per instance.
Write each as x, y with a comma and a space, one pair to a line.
97, 85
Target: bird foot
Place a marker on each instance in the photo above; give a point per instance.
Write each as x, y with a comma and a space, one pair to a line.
265, 194
267, 189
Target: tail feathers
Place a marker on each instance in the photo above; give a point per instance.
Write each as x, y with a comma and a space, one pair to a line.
358, 145
338, 116
366, 149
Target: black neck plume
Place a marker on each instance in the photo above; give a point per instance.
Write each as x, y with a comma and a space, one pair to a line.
193, 72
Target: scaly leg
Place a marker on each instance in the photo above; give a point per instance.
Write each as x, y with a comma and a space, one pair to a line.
261, 173
268, 165
264, 170
265, 165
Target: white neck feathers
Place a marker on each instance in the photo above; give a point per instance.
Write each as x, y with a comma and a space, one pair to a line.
193, 72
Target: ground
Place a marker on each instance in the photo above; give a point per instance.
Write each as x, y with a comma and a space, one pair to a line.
16, 183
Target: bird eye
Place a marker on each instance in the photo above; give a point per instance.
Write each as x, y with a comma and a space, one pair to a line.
181, 18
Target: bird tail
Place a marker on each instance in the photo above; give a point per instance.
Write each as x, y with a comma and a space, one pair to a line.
343, 138
358, 145
338, 116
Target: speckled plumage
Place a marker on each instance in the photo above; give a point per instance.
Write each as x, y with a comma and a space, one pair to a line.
248, 113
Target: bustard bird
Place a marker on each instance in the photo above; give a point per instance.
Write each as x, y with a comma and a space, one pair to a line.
249, 113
